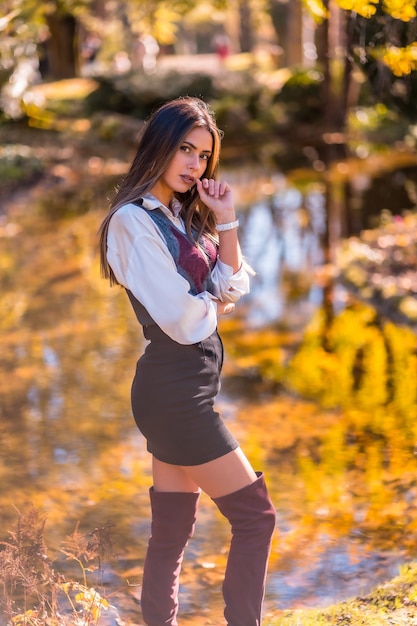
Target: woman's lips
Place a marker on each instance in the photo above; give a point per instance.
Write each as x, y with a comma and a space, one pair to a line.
189, 180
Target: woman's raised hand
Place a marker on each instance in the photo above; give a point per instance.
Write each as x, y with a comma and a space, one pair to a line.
217, 195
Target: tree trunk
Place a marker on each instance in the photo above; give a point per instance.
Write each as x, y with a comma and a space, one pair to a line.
62, 46
246, 38
333, 49
287, 19
294, 43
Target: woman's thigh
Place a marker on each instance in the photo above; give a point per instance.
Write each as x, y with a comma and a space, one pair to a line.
217, 478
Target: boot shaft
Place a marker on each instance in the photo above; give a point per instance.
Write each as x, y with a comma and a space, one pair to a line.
252, 517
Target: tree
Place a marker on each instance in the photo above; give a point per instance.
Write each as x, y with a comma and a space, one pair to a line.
286, 17
246, 29
376, 35
62, 45
67, 19
52, 26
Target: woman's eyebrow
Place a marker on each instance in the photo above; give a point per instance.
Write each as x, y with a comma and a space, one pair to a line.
195, 147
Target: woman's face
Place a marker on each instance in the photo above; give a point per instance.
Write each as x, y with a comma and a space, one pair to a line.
188, 164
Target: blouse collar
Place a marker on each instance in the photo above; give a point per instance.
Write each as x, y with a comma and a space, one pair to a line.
149, 202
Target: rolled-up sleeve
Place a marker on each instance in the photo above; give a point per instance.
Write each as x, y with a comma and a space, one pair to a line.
229, 286
141, 262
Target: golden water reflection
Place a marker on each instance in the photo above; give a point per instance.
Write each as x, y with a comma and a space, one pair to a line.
345, 497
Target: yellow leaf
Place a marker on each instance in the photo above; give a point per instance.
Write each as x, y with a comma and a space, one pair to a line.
365, 8
316, 9
401, 61
404, 10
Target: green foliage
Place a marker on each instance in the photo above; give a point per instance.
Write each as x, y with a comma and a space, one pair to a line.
391, 603
242, 104
138, 95
18, 164
301, 94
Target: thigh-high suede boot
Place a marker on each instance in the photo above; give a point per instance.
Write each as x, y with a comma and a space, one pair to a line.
252, 517
173, 519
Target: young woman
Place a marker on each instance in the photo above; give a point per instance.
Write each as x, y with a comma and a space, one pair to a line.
170, 239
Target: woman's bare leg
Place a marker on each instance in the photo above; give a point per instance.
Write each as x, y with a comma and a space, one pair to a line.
242, 497
217, 478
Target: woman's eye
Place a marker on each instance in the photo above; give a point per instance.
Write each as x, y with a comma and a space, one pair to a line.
185, 148
204, 157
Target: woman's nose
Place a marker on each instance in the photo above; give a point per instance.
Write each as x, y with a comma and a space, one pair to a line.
194, 162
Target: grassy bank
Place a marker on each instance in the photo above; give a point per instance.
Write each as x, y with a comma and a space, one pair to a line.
394, 603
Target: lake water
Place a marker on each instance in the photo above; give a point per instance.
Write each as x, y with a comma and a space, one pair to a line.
70, 448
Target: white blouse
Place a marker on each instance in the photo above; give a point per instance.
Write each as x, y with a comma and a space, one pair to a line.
140, 259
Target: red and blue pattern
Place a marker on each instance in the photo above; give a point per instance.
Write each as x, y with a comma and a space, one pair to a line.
194, 263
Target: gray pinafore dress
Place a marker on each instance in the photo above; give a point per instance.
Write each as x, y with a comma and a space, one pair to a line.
175, 385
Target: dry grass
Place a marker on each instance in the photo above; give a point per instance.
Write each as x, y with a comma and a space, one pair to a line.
34, 593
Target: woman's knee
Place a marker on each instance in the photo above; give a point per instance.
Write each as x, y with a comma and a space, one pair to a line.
249, 508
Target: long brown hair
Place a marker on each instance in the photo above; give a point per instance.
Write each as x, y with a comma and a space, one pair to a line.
159, 141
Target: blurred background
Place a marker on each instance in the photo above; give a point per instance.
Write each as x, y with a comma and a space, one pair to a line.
317, 100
